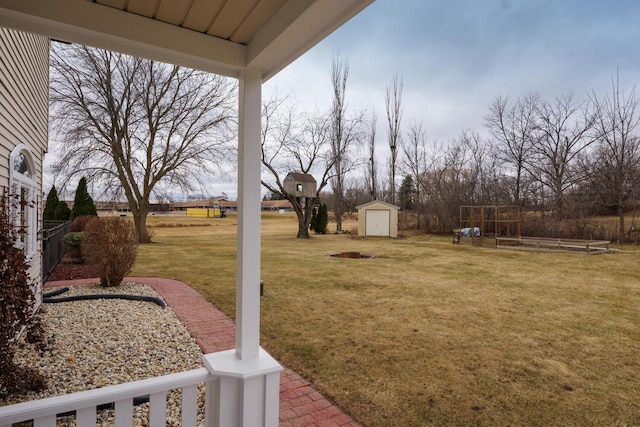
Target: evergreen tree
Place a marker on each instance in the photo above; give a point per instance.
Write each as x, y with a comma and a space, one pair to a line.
314, 219
62, 213
322, 219
407, 189
274, 195
50, 206
83, 203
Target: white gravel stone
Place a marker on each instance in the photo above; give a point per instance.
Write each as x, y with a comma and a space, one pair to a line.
106, 342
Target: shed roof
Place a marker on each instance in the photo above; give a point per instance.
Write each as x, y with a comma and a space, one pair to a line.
389, 205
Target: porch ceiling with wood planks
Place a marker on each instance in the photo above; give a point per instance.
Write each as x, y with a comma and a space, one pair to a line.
219, 36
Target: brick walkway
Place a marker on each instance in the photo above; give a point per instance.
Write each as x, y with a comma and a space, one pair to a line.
301, 405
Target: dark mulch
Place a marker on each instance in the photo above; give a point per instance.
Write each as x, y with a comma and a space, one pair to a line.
69, 270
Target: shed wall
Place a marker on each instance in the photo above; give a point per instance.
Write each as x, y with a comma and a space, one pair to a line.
393, 218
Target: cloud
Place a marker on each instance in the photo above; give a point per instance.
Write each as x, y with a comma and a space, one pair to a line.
455, 57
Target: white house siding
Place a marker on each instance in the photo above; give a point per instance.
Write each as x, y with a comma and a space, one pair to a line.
24, 110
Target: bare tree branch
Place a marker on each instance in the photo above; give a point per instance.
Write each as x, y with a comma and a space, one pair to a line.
130, 124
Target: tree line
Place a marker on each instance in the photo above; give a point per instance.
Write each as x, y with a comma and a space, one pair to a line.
136, 127
562, 160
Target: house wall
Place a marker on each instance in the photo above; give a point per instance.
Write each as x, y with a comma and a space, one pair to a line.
24, 107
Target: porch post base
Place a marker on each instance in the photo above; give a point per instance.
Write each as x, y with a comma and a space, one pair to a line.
245, 393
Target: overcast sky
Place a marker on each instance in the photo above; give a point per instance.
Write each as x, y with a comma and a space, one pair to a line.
456, 56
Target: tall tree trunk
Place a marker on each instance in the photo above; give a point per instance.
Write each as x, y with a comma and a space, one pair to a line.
339, 200
303, 213
303, 228
621, 238
418, 206
140, 221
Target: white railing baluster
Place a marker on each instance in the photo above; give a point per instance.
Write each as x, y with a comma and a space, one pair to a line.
124, 413
158, 409
86, 417
211, 397
48, 421
189, 406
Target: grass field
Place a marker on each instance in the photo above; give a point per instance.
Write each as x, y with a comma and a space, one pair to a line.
430, 333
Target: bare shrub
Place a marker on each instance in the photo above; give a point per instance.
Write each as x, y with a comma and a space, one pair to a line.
544, 225
80, 223
112, 245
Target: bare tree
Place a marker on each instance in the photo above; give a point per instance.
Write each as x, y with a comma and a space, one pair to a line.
393, 103
617, 156
482, 169
295, 142
345, 134
130, 124
513, 127
415, 161
355, 194
372, 170
563, 133
446, 186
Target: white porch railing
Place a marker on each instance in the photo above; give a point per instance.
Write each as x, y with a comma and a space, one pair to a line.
229, 400
43, 412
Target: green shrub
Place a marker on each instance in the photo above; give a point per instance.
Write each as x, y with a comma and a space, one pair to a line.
17, 304
112, 245
73, 239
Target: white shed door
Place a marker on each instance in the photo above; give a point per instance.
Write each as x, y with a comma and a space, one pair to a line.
377, 222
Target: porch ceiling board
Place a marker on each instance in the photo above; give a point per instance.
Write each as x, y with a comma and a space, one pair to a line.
201, 14
218, 36
295, 28
146, 8
92, 24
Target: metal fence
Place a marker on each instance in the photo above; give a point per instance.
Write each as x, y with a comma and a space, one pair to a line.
53, 247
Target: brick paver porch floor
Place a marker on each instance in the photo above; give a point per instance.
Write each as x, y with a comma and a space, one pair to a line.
301, 405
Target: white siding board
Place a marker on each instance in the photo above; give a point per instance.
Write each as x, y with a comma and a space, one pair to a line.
24, 108
21, 76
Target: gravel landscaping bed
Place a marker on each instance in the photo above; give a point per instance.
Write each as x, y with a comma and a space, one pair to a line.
106, 342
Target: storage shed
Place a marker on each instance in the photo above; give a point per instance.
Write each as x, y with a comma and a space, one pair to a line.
378, 218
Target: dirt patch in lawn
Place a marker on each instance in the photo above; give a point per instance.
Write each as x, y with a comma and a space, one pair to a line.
352, 255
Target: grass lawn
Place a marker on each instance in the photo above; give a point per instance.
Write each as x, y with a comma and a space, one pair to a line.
430, 333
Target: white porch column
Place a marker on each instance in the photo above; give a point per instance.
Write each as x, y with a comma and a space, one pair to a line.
246, 390
248, 263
